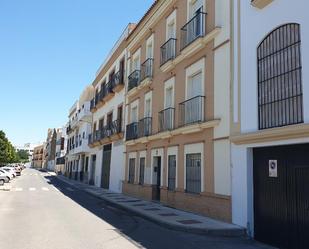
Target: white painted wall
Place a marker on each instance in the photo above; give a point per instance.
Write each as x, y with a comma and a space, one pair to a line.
255, 25
117, 167
222, 83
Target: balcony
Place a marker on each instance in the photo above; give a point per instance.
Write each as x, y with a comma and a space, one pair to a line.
118, 81
146, 70
107, 134
144, 127
168, 50
116, 127
107, 91
192, 30
84, 113
92, 105
131, 131
193, 38
134, 79
69, 129
191, 111
166, 119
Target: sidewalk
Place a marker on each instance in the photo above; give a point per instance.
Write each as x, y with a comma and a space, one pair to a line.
158, 213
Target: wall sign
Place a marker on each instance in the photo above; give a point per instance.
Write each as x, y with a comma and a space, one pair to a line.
273, 168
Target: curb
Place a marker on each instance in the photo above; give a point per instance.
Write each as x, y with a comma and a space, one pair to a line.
202, 231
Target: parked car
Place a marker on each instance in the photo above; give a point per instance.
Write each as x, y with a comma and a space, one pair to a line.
10, 170
4, 176
3, 179
8, 174
16, 168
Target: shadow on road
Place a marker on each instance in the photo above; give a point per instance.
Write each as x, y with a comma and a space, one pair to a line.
143, 233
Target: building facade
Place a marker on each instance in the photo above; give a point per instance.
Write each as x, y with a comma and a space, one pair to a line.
270, 117
60, 150
107, 143
178, 107
37, 157
78, 130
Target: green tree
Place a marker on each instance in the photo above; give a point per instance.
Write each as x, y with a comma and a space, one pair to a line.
7, 150
23, 155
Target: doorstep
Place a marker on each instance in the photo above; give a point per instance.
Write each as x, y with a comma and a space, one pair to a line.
160, 214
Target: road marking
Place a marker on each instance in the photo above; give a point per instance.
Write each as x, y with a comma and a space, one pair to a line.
35, 174
45, 189
18, 189
32, 189
70, 189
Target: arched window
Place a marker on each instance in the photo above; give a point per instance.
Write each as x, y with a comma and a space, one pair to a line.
280, 97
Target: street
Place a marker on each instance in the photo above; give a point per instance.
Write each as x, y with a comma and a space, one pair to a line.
42, 212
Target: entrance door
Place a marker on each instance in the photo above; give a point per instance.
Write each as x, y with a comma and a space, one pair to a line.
93, 163
157, 177
106, 165
281, 196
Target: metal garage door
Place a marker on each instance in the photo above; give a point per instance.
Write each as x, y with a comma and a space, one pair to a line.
281, 195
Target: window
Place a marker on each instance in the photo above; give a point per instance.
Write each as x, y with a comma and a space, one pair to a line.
194, 86
149, 47
147, 104
131, 170
280, 96
134, 114
141, 170
169, 96
171, 172
193, 173
194, 7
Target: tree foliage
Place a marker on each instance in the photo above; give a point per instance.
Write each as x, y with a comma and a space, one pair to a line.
7, 150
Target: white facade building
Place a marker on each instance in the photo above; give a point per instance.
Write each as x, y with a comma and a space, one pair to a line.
271, 120
78, 131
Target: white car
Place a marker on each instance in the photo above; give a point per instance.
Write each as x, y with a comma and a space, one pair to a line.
10, 170
4, 176
7, 173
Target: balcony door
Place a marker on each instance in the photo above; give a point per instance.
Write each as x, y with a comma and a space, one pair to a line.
171, 30
193, 108
134, 115
195, 7
194, 86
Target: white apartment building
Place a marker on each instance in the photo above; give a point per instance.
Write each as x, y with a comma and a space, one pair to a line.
106, 140
78, 130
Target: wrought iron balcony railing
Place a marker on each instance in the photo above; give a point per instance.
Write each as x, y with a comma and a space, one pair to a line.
131, 131
134, 79
168, 50
192, 30
166, 119
145, 127
191, 111
147, 69
117, 79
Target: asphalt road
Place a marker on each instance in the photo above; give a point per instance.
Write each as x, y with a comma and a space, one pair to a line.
41, 212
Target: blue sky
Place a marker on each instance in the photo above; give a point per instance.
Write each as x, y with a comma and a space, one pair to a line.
49, 51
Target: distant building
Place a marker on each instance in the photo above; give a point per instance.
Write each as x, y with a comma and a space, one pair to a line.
29, 147
37, 157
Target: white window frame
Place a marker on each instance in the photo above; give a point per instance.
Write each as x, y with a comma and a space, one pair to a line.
148, 96
191, 149
132, 155
169, 84
190, 3
142, 154
195, 68
172, 151
136, 57
155, 153
172, 18
132, 106
150, 41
